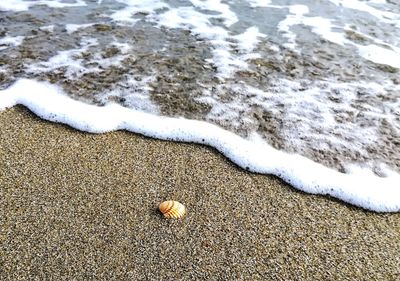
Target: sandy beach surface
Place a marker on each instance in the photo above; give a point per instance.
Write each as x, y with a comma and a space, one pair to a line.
79, 206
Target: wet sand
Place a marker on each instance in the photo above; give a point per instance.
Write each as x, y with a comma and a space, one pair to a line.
78, 206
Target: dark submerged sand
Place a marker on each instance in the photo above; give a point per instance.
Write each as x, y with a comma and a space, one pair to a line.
80, 206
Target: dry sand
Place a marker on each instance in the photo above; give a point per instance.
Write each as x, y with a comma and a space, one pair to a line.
78, 206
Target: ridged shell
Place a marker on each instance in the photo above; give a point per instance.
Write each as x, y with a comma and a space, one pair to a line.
172, 209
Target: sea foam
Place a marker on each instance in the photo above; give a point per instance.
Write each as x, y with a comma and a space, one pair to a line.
17, 5
8, 42
296, 77
361, 187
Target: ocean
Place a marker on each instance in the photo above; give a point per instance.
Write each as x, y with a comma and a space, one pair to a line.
305, 90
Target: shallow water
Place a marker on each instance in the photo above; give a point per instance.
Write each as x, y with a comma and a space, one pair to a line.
316, 79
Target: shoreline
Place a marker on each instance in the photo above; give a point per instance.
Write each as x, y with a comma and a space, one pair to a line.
357, 188
79, 205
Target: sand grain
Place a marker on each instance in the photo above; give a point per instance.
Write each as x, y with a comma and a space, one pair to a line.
81, 206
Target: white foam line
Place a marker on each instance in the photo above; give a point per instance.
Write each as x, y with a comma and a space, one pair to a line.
136, 6
71, 28
226, 62
48, 28
323, 27
380, 55
18, 5
65, 59
364, 7
48, 102
259, 3
248, 40
224, 11
8, 41
295, 17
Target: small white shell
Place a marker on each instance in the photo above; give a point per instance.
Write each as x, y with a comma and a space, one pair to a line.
172, 209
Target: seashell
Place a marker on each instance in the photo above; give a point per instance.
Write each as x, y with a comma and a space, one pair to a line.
172, 209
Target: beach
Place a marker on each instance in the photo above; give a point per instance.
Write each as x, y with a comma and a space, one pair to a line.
80, 206
309, 93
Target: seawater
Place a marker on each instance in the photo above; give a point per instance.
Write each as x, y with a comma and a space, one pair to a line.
305, 90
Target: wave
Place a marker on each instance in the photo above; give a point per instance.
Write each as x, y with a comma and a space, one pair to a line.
361, 187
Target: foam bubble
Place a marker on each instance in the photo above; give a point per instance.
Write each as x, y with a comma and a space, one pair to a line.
72, 60
364, 7
319, 25
224, 11
71, 28
295, 17
380, 55
67, 59
10, 41
259, 3
134, 7
368, 190
298, 10
48, 28
302, 100
17, 5
323, 27
135, 94
199, 23
248, 40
